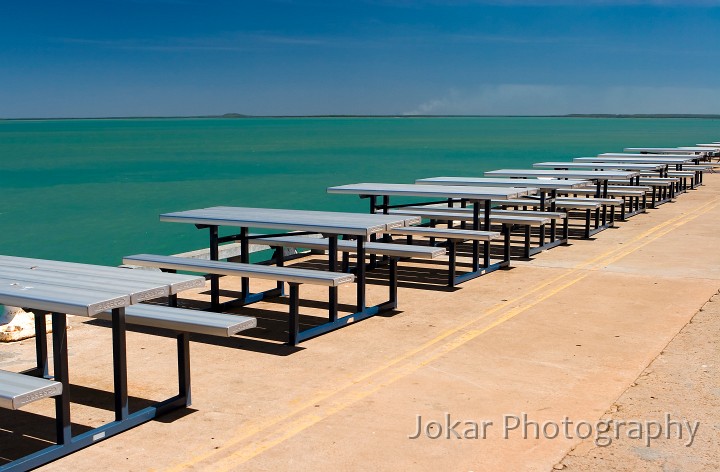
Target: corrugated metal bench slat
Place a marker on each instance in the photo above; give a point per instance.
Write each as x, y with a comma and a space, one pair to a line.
293, 276
381, 249
18, 390
185, 320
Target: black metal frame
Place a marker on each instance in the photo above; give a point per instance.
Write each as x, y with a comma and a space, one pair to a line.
334, 322
66, 443
479, 223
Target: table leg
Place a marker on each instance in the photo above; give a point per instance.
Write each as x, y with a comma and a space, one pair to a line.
214, 279
475, 243
183, 352
332, 266
120, 364
452, 248
41, 351
553, 223
245, 259
360, 274
63, 426
604, 211
486, 244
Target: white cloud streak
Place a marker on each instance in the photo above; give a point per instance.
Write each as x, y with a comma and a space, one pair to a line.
528, 99
233, 42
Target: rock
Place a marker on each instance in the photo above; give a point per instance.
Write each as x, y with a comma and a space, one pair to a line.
16, 324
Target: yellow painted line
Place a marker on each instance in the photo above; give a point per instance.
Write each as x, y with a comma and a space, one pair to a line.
245, 449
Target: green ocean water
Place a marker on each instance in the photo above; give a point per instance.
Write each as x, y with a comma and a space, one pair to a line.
92, 190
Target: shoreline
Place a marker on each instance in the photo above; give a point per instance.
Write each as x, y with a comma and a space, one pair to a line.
232, 116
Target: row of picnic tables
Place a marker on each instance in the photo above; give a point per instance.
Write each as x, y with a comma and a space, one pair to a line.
62, 288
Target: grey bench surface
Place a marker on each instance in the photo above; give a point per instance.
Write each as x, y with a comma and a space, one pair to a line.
439, 191
666, 181
563, 174
282, 274
668, 150
590, 204
17, 390
602, 201
59, 299
379, 248
600, 165
362, 224
138, 291
545, 184
636, 158
626, 192
699, 167
182, 319
175, 282
446, 233
494, 213
673, 173
468, 216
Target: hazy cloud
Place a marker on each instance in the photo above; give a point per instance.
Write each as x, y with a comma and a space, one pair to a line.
528, 99
229, 42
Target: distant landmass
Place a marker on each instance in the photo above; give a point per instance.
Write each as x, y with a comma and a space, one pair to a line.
241, 115
640, 115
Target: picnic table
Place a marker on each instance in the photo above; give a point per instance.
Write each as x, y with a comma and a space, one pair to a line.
543, 185
698, 151
678, 160
547, 202
480, 197
601, 177
302, 222
602, 166
62, 288
668, 150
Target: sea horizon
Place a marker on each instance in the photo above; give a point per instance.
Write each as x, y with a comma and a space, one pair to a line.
401, 115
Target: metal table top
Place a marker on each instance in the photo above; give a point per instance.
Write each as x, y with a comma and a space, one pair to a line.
562, 174
600, 165
295, 220
543, 184
669, 150
82, 289
659, 158
440, 191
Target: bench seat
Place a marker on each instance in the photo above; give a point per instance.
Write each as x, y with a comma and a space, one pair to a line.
18, 390
294, 276
446, 233
646, 188
184, 320
662, 181
626, 192
439, 214
507, 218
494, 213
280, 274
570, 204
602, 201
378, 248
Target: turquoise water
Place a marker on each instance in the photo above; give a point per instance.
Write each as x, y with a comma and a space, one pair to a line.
92, 190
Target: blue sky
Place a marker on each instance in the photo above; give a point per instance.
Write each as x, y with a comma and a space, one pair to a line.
284, 57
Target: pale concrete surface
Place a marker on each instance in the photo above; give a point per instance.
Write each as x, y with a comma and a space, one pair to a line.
562, 335
682, 381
